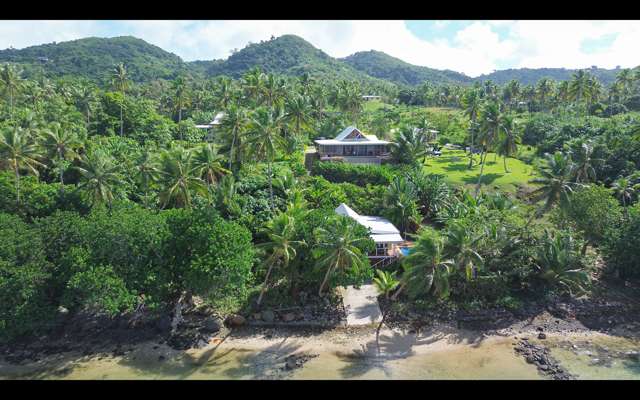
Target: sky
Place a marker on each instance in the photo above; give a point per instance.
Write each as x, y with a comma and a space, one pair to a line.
471, 47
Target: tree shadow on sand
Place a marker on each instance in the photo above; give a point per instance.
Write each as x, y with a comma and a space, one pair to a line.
373, 355
267, 363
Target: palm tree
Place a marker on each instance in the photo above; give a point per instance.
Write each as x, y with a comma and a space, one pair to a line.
281, 246
224, 92
180, 95
472, 103
253, 83
558, 263
272, 90
120, 82
555, 182
98, 177
234, 125
85, 97
409, 146
265, 140
426, 270
386, 283
19, 152
579, 86
147, 172
624, 190
460, 247
491, 126
208, 163
563, 92
508, 140
624, 81
584, 170
11, 84
400, 202
298, 113
61, 145
338, 248
178, 178
544, 90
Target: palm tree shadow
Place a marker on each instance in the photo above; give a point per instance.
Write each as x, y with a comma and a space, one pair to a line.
376, 355
263, 364
486, 178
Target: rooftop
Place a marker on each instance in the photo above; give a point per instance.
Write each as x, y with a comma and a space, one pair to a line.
382, 230
352, 136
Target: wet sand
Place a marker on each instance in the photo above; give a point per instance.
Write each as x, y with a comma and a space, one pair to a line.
248, 353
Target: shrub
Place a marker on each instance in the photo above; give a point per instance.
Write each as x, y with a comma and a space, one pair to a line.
622, 245
360, 175
207, 255
99, 289
24, 304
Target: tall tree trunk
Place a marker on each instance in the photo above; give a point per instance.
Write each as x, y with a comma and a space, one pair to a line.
584, 248
270, 186
264, 285
400, 289
505, 164
326, 278
121, 119
17, 171
233, 142
482, 161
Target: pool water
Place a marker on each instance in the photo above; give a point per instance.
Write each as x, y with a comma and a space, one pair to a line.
405, 251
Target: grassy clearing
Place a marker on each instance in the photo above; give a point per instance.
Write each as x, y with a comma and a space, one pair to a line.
453, 165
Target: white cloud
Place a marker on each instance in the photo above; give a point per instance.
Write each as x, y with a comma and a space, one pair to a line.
474, 49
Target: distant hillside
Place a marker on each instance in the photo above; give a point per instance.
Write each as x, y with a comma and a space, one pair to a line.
383, 66
527, 76
287, 55
94, 58
291, 55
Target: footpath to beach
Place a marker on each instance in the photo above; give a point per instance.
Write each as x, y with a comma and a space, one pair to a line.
361, 305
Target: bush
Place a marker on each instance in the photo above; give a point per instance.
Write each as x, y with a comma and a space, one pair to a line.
622, 245
37, 199
361, 175
99, 289
24, 304
207, 255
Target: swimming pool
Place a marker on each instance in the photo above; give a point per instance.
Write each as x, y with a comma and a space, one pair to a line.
405, 250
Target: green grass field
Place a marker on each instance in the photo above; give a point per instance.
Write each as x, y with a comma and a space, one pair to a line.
453, 165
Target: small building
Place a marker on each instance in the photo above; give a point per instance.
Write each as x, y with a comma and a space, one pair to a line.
354, 147
383, 233
370, 98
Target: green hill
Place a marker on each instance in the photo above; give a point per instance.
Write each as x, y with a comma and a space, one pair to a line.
288, 55
529, 76
291, 55
94, 58
383, 66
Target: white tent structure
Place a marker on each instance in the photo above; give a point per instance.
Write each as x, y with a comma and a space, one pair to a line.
382, 232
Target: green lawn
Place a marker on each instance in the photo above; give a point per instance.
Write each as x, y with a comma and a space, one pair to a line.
453, 165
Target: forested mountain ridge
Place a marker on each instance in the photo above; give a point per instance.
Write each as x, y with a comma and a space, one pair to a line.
529, 76
94, 58
286, 55
384, 66
291, 55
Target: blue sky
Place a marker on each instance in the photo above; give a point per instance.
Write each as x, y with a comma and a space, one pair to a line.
471, 47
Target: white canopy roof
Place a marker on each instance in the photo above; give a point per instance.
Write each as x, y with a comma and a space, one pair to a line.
382, 230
